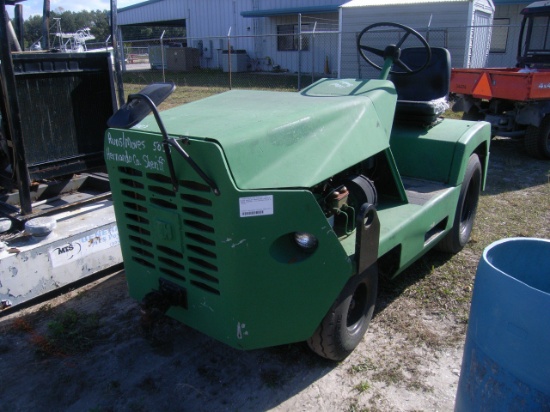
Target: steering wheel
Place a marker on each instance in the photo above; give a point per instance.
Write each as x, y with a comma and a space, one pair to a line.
393, 51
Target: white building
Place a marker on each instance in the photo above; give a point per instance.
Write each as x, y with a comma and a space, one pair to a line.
269, 31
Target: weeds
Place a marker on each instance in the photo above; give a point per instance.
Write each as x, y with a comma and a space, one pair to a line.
362, 387
390, 374
354, 407
366, 365
421, 312
426, 308
68, 333
73, 331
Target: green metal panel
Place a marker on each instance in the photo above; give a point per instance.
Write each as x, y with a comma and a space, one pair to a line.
475, 137
425, 153
440, 153
247, 283
278, 140
408, 224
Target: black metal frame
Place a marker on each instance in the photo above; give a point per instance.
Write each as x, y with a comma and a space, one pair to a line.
11, 113
10, 109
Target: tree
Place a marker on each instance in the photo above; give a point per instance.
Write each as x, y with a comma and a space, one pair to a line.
33, 30
97, 21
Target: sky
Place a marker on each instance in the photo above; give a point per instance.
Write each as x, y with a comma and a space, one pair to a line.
34, 7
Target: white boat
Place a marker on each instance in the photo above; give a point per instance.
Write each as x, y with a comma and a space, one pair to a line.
68, 42
74, 42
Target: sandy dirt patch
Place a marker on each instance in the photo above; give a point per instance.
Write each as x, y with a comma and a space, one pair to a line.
409, 360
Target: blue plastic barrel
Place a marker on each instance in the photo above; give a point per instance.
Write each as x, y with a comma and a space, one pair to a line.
506, 361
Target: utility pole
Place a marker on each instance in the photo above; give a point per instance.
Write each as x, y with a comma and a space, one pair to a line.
46, 26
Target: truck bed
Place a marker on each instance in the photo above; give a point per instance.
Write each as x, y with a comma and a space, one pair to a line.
510, 84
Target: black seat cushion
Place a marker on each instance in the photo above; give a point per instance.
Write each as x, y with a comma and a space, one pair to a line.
421, 97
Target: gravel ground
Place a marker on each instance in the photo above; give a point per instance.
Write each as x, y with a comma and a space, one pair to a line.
409, 359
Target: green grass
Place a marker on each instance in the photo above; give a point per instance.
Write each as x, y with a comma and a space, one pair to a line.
362, 387
366, 365
199, 84
73, 332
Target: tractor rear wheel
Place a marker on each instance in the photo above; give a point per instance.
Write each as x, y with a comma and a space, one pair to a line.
537, 140
456, 239
345, 324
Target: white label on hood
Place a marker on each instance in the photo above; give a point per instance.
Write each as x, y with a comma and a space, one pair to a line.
256, 206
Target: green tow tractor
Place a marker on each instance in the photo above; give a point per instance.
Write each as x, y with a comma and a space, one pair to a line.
264, 218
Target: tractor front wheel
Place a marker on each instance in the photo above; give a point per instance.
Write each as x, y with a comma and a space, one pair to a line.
345, 324
456, 239
537, 140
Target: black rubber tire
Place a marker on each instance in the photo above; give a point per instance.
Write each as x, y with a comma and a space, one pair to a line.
345, 324
459, 235
537, 140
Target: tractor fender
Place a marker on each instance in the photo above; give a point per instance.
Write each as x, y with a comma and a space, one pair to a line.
476, 139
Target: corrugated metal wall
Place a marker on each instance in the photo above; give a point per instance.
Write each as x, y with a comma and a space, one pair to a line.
320, 40
208, 23
210, 17
164, 10
449, 27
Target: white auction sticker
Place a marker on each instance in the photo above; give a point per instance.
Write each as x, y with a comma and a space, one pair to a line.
256, 206
85, 246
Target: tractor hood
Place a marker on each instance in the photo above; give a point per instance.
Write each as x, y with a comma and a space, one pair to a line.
281, 139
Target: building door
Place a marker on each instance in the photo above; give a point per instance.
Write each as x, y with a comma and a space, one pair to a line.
480, 39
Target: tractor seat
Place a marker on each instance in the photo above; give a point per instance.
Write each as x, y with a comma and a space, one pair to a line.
422, 96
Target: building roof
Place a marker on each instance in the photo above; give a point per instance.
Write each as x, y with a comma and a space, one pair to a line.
366, 3
497, 2
363, 3
138, 5
332, 8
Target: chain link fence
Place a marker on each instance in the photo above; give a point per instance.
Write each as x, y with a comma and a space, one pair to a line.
504, 45
302, 57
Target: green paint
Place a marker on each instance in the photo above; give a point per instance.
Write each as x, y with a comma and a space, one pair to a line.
247, 282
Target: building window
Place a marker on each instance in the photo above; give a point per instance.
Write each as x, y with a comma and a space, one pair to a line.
499, 38
288, 37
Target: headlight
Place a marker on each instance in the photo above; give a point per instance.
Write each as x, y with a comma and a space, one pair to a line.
306, 241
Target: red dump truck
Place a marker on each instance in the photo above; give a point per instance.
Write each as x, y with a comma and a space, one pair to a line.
516, 101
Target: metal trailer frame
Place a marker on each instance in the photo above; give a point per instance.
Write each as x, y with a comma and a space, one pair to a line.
85, 242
